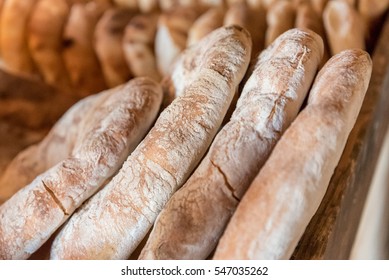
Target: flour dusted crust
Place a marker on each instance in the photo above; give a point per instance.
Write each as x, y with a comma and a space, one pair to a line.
282, 199
269, 102
45, 30
114, 221
14, 24
112, 131
186, 68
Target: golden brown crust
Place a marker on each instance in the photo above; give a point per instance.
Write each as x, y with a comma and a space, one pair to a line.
282, 199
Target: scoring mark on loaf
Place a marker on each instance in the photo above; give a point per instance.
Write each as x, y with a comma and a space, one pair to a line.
225, 178
51, 193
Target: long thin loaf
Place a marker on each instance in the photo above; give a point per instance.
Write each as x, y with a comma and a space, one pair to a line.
112, 223
282, 199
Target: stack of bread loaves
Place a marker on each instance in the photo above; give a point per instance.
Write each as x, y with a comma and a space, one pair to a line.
198, 129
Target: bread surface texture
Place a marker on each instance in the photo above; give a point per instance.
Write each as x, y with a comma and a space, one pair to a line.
114, 222
269, 102
282, 199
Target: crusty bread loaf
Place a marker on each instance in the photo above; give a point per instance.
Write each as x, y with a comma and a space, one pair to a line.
14, 23
114, 221
55, 147
344, 27
206, 23
279, 18
79, 55
45, 31
109, 48
269, 102
138, 46
112, 131
282, 199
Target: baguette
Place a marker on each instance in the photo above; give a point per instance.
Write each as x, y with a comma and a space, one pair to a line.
282, 199
14, 22
113, 223
112, 131
138, 46
79, 55
344, 27
45, 33
269, 102
279, 18
108, 45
